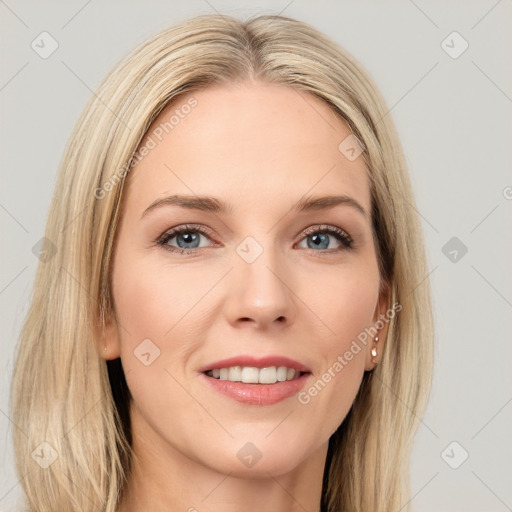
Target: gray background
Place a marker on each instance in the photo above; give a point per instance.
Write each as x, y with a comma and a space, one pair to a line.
454, 119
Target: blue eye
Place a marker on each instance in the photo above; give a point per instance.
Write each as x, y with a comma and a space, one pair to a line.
318, 238
188, 239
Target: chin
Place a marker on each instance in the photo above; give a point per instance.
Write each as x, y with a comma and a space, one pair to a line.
258, 458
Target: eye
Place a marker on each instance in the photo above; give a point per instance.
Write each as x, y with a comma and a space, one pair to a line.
186, 238
319, 237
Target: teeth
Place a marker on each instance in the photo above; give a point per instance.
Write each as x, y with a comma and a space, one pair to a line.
282, 371
252, 375
268, 375
235, 373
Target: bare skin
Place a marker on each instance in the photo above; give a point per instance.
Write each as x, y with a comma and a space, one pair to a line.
260, 149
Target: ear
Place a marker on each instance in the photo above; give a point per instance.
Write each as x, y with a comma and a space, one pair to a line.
380, 322
107, 338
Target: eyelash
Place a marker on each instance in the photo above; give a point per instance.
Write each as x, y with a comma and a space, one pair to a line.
338, 233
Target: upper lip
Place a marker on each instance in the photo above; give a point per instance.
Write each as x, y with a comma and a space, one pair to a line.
256, 362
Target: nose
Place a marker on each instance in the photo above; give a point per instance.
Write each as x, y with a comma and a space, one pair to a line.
260, 293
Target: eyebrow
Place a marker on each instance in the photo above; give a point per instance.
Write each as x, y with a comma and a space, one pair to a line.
213, 205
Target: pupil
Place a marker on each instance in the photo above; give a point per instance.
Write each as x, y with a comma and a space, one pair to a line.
319, 240
188, 238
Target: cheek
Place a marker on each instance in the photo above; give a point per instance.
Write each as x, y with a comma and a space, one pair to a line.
154, 301
161, 309
154, 306
345, 305
343, 302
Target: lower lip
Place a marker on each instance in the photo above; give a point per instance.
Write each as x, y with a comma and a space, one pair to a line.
258, 394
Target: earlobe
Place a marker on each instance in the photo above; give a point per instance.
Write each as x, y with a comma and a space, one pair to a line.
107, 340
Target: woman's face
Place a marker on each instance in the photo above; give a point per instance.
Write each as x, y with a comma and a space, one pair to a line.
251, 278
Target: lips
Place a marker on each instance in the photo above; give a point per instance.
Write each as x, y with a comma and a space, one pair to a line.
256, 381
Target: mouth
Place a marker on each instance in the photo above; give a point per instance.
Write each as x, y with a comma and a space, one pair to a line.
254, 375
252, 381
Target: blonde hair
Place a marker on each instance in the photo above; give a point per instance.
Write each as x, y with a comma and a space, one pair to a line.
65, 394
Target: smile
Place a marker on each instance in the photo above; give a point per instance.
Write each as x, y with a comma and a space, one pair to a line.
256, 381
253, 375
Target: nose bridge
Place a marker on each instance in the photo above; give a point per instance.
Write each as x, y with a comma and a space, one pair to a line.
260, 283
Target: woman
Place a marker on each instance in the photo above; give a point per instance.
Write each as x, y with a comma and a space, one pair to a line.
232, 318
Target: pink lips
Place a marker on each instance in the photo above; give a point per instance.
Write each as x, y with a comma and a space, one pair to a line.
257, 394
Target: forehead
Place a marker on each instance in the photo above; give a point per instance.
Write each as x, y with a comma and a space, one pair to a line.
246, 143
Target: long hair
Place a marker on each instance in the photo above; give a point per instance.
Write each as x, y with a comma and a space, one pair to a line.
72, 435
